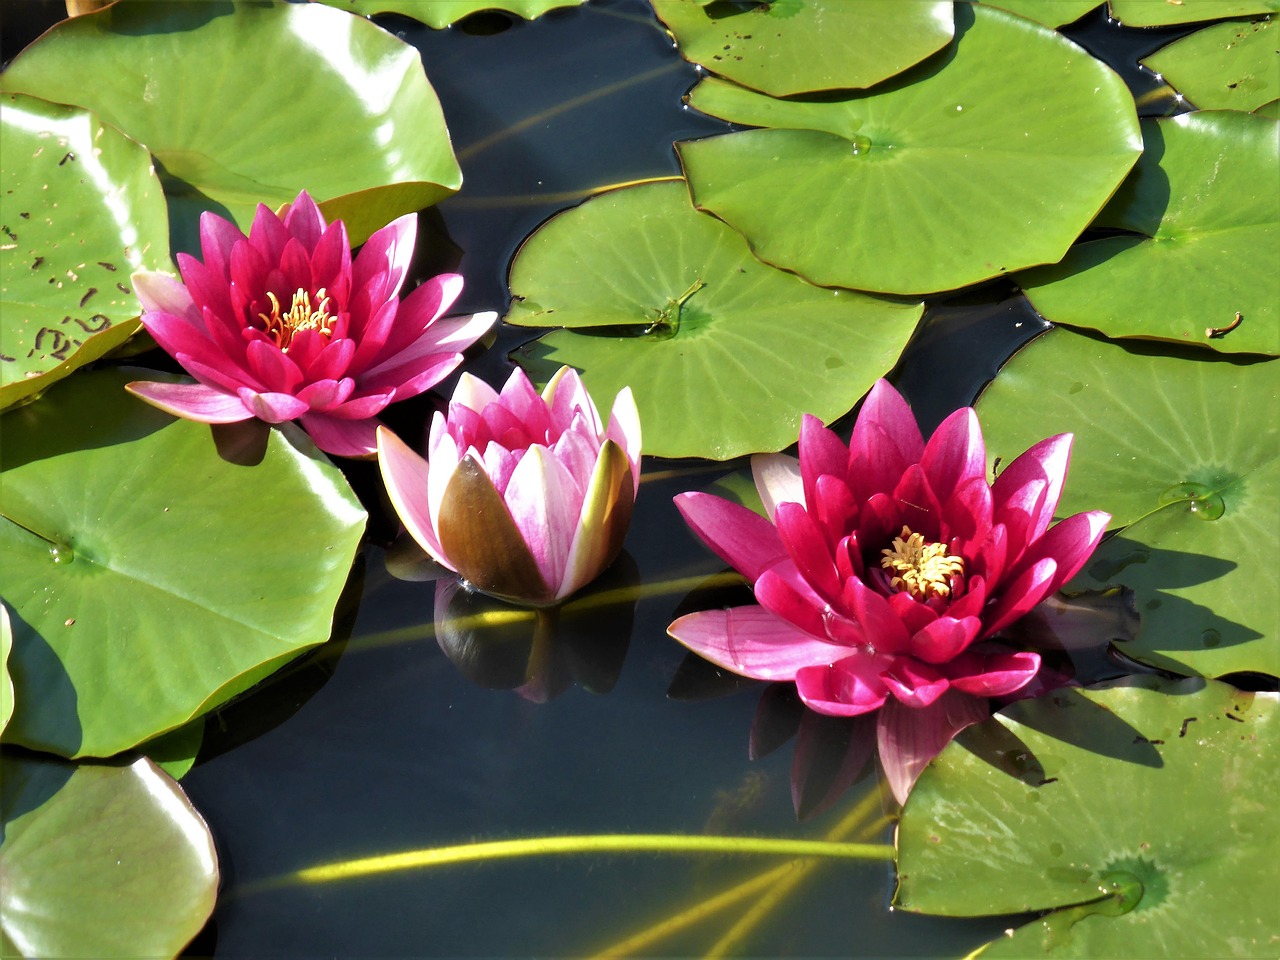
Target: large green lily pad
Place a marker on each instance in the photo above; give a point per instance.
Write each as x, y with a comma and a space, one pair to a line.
81, 210
723, 353
891, 190
100, 861
1204, 194
1052, 13
1185, 455
1140, 807
439, 14
6, 683
149, 578
1155, 13
794, 46
1228, 66
249, 103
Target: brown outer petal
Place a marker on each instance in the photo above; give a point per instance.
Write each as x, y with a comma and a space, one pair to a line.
483, 542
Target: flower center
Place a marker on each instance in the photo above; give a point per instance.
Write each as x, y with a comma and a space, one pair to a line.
300, 316
923, 569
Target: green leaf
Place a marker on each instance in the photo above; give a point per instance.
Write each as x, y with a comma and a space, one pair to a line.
1204, 194
82, 209
439, 14
720, 350
290, 96
1154, 13
891, 190
1140, 806
794, 46
101, 861
1229, 66
1185, 454
150, 578
1270, 110
1052, 13
6, 683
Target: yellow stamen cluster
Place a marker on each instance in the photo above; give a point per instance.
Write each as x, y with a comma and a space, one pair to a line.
300, 316
922, 569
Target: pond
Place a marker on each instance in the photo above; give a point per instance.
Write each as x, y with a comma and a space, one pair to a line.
433, 720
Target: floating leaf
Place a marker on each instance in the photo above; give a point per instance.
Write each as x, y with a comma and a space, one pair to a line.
82, 210
249, 103
100, 861
1052, 13
6, 684
724, 353
439, 14
151, 579
1204, 194
1185, 455
794, 46
1140, 806
1229, 66
1270, 110
1155, 13
891, 190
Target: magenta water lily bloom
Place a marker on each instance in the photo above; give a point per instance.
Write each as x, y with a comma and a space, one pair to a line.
284, 325
526, 496
886, 568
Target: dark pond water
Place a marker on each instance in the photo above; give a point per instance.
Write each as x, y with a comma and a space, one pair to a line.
380, 743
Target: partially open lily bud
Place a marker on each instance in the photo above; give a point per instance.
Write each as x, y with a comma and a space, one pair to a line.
526, 497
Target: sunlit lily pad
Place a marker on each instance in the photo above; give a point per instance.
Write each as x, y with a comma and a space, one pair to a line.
793, 46
1185, 454
82, 209
250, 103
1141, 807
894, 190
1270, 110
1228, 66
6, 684
1052, 13
723, 353
149, 578
1154, 13
100, 861
1204, 194
439, 14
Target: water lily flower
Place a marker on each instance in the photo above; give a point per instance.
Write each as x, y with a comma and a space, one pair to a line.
284, 325
884, 569
526, 497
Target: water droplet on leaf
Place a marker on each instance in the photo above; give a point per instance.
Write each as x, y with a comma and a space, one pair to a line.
1199, 499
61, 553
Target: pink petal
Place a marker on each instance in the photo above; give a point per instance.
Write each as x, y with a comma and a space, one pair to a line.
808, 549
885, 441
993, 675
945, 638
790, 598
834, 508
846, 688
822, 453
909, 737
272, 407
752, 642
918, 508
624, 430
1047, 460
342, 437
191, 401
405, 475
267, 235
1017, 598
380, 267
162, 293
966, 514
272, 368
545, 504
1070, 542
740, 537
955, 454
884, 631
217, 238
913, 683
323, 395
777, 479
304, 221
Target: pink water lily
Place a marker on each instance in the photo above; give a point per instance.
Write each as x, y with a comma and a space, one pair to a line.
884, 570
526, 496
284, 325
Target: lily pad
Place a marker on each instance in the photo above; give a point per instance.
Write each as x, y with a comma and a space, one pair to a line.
82, 209
723, 353
1052, 13
1270, 110
439, 14
6, 683
289, 95
891, 190
1229, 66
794, 46
1185, 455
100, 861
150, 579
1156, 13
1140, 807
1204, 195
